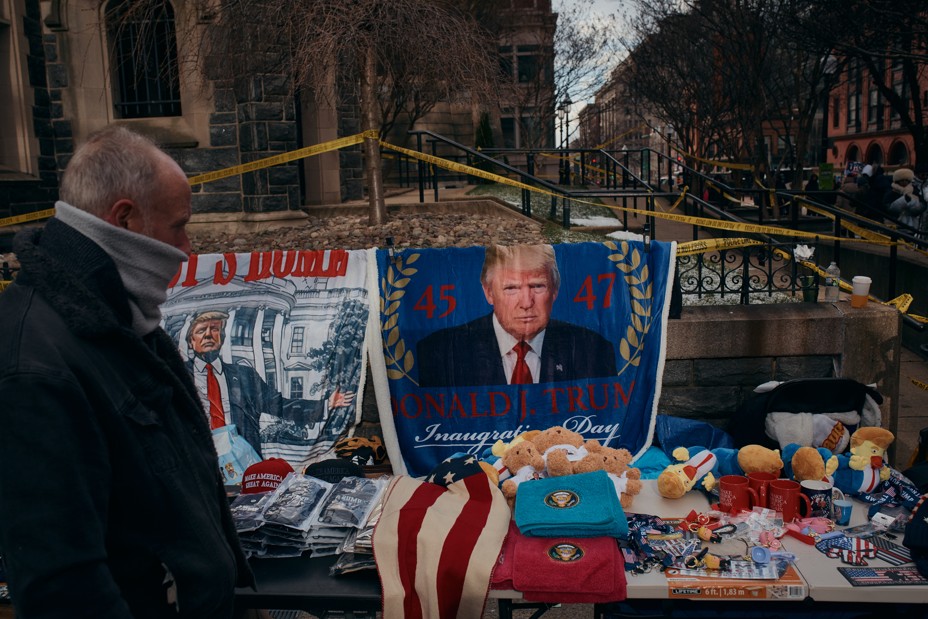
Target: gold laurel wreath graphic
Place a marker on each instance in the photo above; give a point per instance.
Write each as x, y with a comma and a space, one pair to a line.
641, 289
399, 359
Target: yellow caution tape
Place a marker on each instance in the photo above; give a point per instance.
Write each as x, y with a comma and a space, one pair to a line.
716, 163
464, 169
875, 237
901, 303
18, 219
812, 267
916, 317
620, 136
725, 194
604, 144
267, 162
674, 206
702, 246
919, 383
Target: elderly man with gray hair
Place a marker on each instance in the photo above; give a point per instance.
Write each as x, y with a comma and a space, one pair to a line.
122, 513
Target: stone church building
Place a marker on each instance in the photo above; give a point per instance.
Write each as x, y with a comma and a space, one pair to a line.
66, 72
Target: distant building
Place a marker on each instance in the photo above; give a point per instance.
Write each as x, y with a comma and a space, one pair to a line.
616, 122
861, 125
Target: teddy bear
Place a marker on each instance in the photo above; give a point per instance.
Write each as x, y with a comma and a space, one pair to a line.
524, 463
705, 466
492, 457
566, 452
864, 468
627, 479
803, 462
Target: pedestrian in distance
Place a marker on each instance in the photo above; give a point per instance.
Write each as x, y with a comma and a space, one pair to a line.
849, 197
812, 184
903, 203
111, 502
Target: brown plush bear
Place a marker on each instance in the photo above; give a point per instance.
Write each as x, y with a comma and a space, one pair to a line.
627, 479
757, 458
803, 462
524, 463
566, 452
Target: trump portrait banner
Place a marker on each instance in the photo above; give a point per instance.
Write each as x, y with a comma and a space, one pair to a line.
274, 342
483, 344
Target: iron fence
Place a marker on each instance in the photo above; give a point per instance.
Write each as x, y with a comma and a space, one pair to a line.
744, 273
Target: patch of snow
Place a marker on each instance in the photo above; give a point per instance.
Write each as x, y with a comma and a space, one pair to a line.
624, 235
595, 221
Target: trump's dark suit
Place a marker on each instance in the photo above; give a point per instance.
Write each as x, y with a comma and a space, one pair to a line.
469, 355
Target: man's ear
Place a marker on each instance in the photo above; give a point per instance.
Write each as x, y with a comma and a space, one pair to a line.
487, 293
121, 213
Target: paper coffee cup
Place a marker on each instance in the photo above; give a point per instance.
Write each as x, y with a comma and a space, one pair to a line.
860, 290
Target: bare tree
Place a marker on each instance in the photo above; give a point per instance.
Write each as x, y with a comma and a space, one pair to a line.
725, 71
395, 56
672, 70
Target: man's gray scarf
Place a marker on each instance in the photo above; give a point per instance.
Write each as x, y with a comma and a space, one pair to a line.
145, 265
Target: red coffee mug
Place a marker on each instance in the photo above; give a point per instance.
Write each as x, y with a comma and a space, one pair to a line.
759, 481
735, 495
785, 496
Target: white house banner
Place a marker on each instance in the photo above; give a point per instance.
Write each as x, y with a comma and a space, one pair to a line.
275, 344
482, 344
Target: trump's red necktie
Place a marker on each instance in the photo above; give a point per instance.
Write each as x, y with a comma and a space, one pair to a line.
521, 375
217, 418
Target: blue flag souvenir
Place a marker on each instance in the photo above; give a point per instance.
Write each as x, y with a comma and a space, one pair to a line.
482, 344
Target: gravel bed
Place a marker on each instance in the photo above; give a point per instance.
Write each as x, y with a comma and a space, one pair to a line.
354, 232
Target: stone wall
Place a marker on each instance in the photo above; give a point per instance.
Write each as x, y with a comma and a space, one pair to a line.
717, 355
253, 118
26, 193
350, 160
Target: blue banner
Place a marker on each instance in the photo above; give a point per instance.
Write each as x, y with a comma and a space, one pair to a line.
482, 344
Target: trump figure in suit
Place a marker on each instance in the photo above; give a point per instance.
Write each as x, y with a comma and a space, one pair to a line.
517, 343
236, 394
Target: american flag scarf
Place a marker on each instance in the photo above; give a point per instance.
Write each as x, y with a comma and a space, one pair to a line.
436, 544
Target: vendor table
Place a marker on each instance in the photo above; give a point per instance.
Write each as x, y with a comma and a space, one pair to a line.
304, 583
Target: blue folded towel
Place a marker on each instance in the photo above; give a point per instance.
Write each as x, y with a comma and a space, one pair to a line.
582, 505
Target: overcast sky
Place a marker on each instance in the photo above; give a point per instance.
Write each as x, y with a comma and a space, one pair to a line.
601, 8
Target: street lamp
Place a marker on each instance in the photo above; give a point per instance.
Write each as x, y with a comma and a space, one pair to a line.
564, 114
669, 159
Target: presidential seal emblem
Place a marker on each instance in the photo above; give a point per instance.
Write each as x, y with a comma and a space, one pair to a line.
562, 499
565, 552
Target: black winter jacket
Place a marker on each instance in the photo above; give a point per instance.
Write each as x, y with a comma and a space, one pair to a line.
109, 484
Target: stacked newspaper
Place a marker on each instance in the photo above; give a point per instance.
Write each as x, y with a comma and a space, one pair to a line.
304, 514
